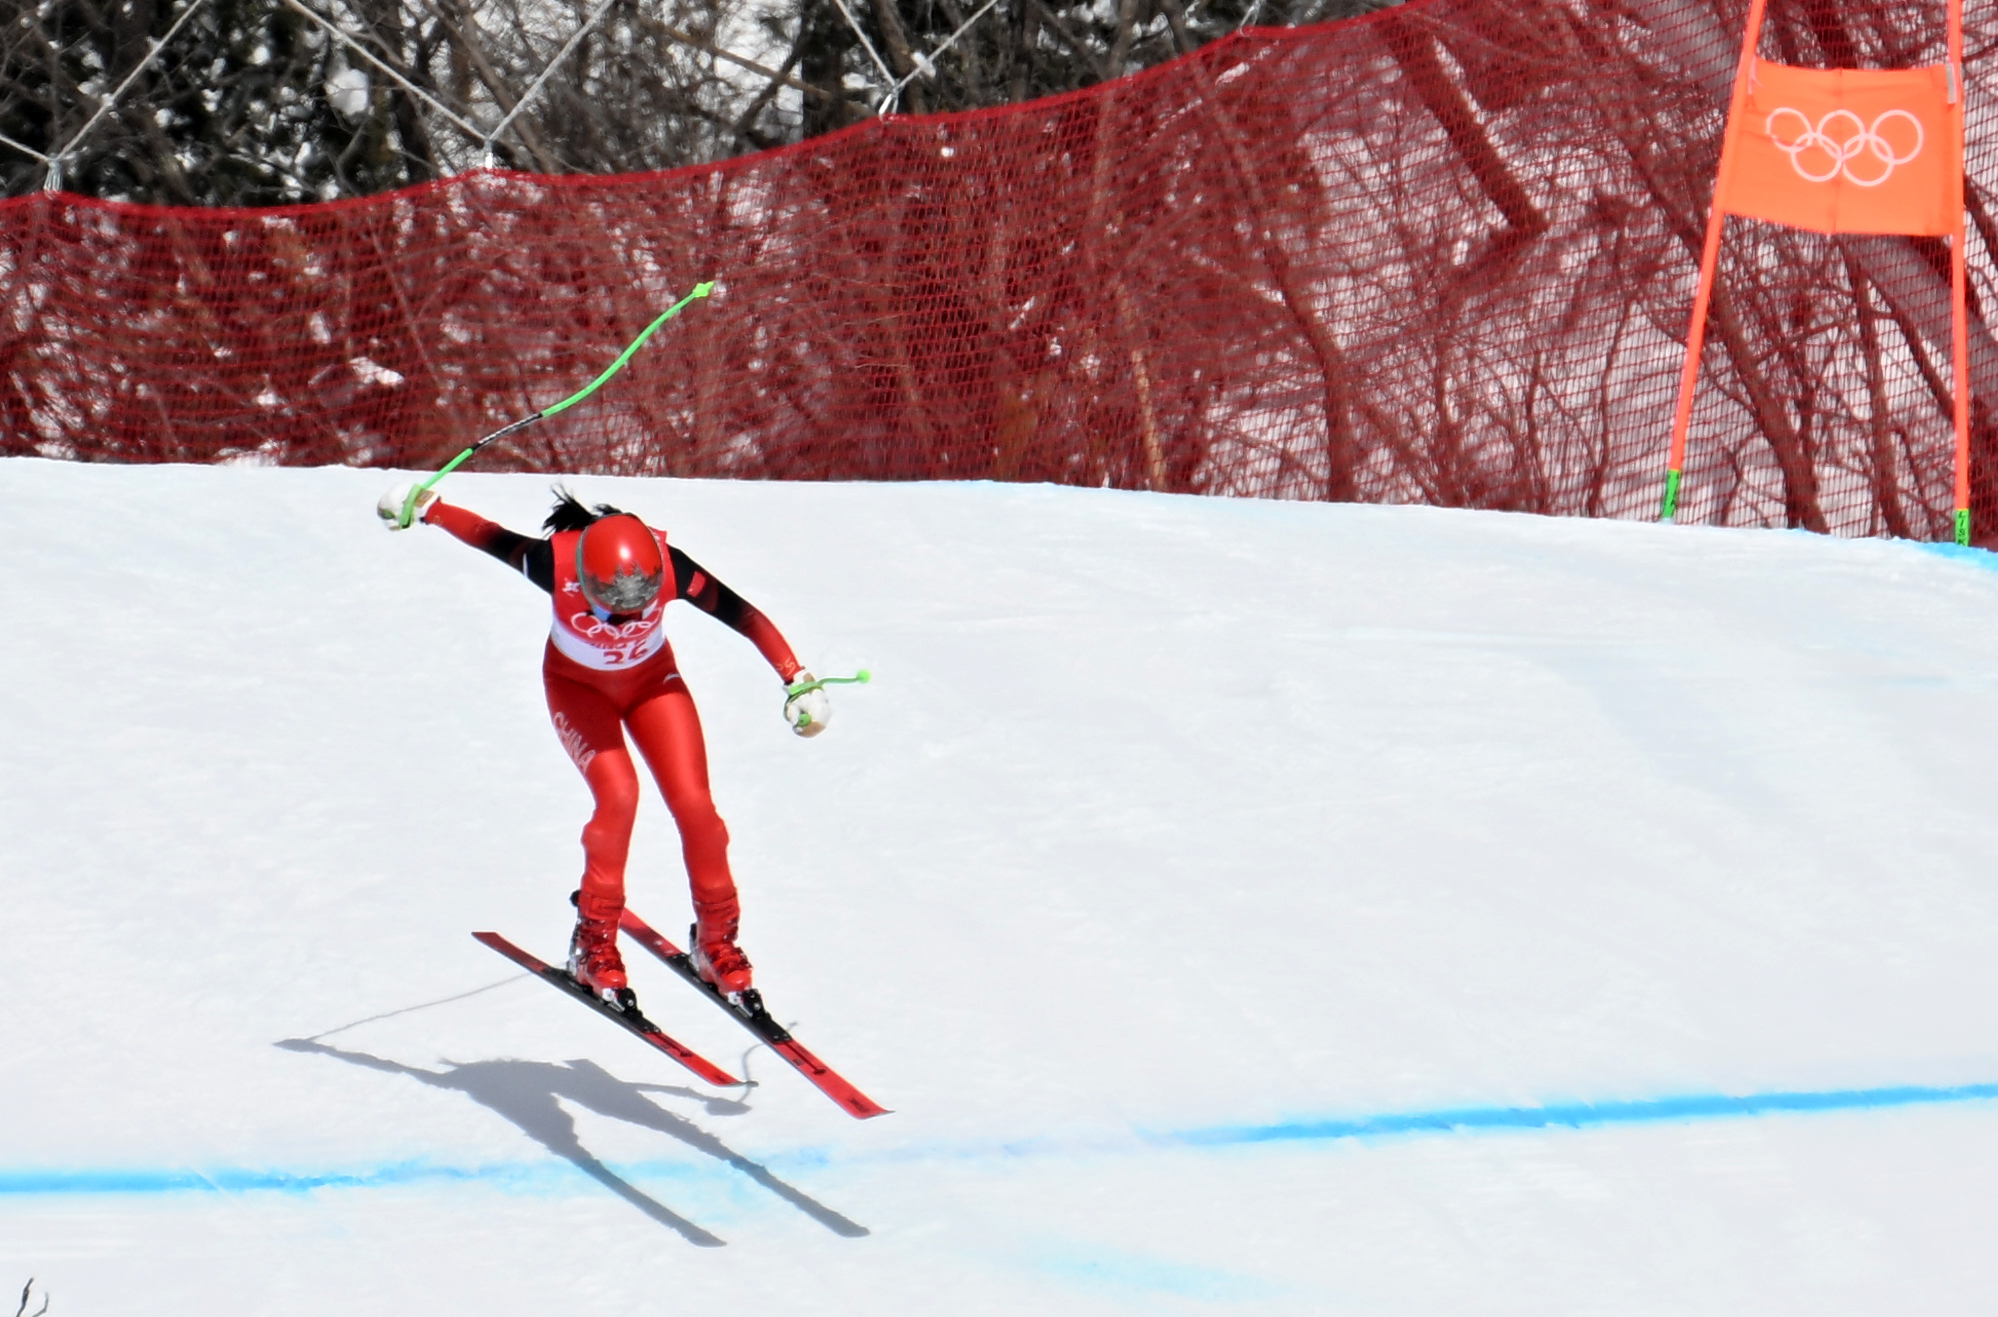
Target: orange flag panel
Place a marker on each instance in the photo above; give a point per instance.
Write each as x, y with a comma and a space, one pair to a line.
1846, 150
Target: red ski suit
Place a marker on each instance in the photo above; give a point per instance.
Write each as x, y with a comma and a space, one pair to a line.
605, 675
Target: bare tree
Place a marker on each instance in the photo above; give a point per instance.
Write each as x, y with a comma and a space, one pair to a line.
261, 102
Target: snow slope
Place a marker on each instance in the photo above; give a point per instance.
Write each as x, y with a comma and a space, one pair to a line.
1244, 907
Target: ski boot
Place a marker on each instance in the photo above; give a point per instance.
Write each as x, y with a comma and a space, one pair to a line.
717, 958
594, 961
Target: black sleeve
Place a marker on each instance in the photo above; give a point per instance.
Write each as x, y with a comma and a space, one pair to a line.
537, 564
532, 558
693, 583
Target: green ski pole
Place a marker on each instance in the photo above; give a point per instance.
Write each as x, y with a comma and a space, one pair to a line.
409, 503
860, 678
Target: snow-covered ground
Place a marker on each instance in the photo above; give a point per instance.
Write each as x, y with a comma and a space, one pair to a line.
1244, 907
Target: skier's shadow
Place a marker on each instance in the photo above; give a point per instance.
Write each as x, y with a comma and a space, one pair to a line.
526, 1093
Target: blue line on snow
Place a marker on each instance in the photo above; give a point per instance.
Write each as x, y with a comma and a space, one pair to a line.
141, 1181
1573, 1115
1581, 1115
1965, 553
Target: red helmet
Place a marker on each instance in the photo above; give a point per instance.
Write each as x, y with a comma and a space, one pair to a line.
619, 565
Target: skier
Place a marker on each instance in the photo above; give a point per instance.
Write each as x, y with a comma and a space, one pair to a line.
606, 667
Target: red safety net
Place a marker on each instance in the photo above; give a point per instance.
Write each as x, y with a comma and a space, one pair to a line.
1444, 254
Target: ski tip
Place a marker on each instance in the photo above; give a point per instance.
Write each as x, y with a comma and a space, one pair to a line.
851, 1100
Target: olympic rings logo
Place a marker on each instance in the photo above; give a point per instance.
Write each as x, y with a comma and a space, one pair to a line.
1865, 145
588, 626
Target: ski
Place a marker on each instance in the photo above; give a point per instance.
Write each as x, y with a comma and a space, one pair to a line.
631, 1020
750, 1013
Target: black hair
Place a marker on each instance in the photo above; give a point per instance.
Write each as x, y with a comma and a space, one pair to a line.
570, 514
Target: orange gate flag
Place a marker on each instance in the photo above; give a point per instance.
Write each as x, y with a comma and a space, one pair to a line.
1846, 150
1842, 151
